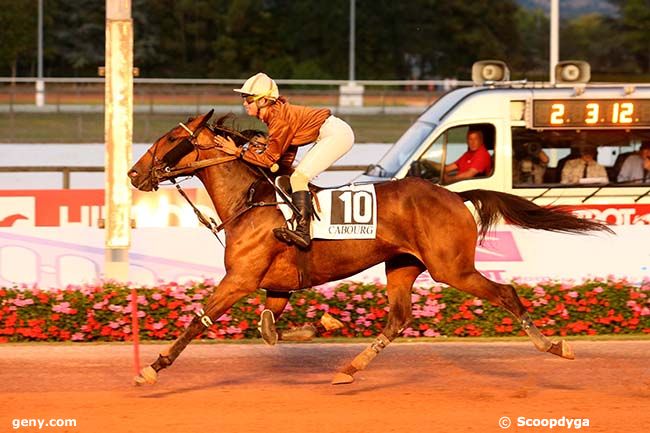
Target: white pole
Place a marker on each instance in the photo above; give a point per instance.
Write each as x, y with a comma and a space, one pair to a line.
118, 127
40, 84
352, 41
555, 44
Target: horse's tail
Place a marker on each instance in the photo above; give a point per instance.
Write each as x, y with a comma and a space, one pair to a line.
526, 214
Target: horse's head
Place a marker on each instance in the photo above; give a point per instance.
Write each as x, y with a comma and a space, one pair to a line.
176, 148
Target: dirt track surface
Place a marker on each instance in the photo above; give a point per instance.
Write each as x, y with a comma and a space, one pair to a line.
419, 387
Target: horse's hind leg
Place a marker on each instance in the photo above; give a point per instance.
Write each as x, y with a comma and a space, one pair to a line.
274, 305
401, 273
229, 291
505, 296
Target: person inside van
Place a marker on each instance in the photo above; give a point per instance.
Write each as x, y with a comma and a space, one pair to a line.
636, 168
529, 164
584, 167
476, 161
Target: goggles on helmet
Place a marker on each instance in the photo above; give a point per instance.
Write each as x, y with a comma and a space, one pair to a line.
252, 98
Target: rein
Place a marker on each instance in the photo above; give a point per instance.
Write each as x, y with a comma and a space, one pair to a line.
210, 223
196, 165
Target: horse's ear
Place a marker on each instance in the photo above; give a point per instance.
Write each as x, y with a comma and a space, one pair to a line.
207, 116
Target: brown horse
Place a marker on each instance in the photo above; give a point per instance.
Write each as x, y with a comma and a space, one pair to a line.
420, 227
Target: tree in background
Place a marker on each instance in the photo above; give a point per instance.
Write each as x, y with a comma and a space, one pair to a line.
309, 38
74, 36
533, 27
18, 36
635, 31
178, 35
596, 39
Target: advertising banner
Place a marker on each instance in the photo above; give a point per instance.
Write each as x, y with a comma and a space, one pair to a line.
51, 238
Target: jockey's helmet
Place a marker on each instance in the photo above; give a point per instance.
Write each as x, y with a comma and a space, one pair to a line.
260, 86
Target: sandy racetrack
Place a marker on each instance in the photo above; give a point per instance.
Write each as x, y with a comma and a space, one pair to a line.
419, 387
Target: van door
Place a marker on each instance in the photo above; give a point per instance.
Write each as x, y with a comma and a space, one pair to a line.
439, 160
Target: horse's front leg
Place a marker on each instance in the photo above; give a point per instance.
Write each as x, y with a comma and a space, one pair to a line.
233, 287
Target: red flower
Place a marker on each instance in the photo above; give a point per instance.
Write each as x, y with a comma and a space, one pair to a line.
7, 331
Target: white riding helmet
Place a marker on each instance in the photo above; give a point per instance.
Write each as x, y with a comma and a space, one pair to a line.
261, 86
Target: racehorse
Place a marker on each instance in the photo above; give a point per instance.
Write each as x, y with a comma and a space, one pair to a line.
420, 226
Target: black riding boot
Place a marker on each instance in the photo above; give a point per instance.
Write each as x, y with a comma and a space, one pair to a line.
301, 235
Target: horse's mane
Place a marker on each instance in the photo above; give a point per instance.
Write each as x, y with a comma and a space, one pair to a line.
227, 125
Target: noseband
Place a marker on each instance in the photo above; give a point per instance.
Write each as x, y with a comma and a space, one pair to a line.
165, 168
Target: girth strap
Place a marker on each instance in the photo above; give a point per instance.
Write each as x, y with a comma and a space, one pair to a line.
303, 265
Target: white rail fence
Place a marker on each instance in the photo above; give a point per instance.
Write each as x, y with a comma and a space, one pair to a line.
182, 95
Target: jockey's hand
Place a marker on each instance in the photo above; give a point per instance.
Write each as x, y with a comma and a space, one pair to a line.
227, 145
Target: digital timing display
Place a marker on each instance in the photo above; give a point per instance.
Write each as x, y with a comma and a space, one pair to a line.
572, 113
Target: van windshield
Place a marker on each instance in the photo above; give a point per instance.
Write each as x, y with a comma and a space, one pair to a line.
402, 150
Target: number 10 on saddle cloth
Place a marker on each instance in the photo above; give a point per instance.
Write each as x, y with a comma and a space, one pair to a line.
348, 212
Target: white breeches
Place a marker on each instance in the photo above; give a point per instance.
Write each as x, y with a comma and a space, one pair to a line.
334, 140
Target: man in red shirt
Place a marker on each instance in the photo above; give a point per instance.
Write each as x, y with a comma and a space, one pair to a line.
475, 161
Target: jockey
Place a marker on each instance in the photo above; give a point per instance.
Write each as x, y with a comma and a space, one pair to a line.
291, 126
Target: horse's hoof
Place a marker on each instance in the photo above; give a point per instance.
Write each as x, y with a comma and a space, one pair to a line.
267, 328
330, 323
342, 379
567, 351
304, 333
147, 376
562, 349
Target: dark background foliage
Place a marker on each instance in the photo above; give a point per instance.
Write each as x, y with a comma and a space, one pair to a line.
415, 39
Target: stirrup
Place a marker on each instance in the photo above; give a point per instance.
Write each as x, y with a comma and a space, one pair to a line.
267, 329
290, 237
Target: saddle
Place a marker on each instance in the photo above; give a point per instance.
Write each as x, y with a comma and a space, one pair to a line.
283, 183
344, 212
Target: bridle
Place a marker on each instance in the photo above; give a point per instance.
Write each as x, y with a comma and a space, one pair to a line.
162, 169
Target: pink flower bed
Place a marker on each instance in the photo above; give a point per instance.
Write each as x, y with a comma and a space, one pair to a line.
103, 312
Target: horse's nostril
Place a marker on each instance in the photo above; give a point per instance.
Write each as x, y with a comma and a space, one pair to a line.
133, 173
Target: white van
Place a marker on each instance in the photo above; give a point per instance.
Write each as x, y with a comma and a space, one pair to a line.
531, 130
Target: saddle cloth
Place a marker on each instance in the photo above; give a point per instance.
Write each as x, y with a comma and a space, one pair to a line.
346, 212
